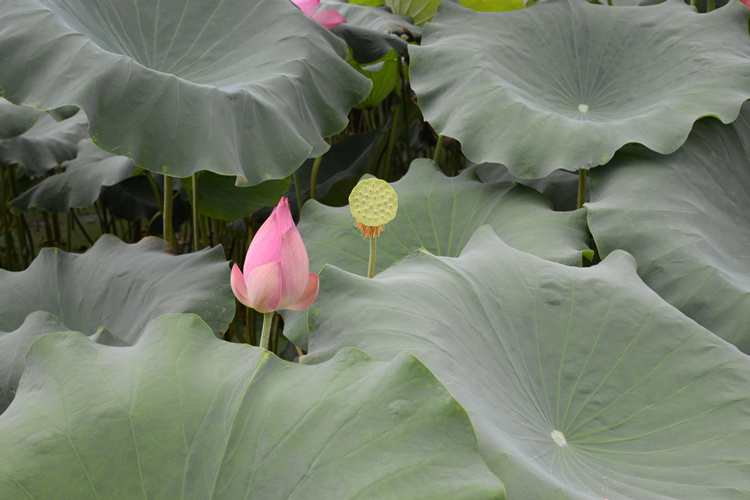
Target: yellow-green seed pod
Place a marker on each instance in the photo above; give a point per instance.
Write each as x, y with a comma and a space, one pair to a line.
373, 202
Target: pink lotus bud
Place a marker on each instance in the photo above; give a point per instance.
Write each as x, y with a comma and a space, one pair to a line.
327, 18
276, 272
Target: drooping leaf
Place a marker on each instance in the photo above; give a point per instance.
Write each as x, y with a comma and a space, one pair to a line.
45, 145
236, 87
384, 76
561, 186
371, 32
15, 120
421, 11
343, 164
134, 199
114, 285
566, 83
13, 347
184, 415
119, 286
684, 217
581, 383
79, 185
380, 19
369, 45
220, 198
493, 5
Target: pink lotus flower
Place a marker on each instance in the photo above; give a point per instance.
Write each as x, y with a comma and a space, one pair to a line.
276, 272
327, 18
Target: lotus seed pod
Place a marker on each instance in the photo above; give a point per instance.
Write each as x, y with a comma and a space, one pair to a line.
373, 202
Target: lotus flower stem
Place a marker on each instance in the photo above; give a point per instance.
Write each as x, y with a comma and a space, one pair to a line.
710, 5
371, 264
438, 148
314, 177
581, 188
196, 216
266, 333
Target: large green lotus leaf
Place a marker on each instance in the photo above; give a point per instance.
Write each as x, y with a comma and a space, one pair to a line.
646, 403
15, 120
566, 83
220, 198
238, 87
119, 286
46, 144
440, 214
684, 217
185, 415
79, 185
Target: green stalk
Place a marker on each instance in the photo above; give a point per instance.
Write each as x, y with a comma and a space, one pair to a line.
250, 326
9, 245
371, 264
56, 227
204, 230
298, 192
404, 100
439, 148
25, 240
389, 148
48, 229
155, 190
314, 177
167, 214
275, 333
80, 226
581, 188
196, 221
710, 5
69, 230
266, 333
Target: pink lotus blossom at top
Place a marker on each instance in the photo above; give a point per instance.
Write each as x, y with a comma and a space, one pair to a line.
746, 2
327, 18
276, 271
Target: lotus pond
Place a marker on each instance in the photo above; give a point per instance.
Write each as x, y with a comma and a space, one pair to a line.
469, 249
